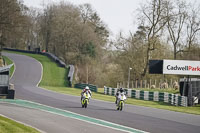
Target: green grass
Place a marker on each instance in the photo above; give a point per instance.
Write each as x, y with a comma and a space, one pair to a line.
8, 61
10, 126
51, 75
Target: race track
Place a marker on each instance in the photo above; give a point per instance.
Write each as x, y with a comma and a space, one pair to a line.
27, 75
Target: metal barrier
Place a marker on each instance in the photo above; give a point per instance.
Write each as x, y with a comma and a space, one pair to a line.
82, 86
6, 89
50, 55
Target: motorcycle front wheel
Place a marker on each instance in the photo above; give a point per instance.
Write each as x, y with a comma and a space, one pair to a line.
83, 103
86, 102
121, 105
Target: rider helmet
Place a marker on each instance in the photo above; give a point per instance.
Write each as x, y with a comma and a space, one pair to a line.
87, 88
121, 90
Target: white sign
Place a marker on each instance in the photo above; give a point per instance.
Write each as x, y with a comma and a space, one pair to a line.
181, 67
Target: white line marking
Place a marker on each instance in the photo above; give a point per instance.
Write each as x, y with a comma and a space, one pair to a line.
41, 73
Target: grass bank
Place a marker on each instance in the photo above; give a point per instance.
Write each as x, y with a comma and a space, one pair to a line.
10, 126
49, 75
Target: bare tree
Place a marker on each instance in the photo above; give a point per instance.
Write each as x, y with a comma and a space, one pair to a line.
91, 17
153, 19
86, 12
46, 25
177, 15
193, 25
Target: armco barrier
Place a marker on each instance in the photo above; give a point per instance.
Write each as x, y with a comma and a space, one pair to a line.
82, 86
50, 55
54, 58
173, 99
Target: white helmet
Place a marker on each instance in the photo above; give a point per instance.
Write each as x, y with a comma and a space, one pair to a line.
87, 88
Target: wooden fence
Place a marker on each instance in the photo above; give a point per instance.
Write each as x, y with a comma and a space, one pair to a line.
172, 83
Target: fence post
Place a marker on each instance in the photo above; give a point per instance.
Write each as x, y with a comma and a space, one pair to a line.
160, 83
171, 84
136, 84
150, 83
132, 85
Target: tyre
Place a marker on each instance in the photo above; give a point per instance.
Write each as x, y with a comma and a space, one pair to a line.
86, 102
121, 106
82, 103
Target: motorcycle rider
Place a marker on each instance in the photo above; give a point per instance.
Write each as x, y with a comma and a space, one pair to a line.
86, 89
119, 92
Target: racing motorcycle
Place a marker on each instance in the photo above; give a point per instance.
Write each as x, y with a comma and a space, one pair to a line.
121, 101
85, 99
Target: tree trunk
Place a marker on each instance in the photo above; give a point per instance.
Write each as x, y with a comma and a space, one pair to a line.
47, 41
146, 63
174, 52
87, 74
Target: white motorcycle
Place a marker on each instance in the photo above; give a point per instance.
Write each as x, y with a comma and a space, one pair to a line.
121, 100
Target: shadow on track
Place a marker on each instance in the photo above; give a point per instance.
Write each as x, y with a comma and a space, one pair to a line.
72, 107
106, 109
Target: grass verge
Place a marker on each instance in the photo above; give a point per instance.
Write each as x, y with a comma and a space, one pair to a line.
46, 83
10, 126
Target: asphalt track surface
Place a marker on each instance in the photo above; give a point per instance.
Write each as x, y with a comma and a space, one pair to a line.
50, 123
28, 73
